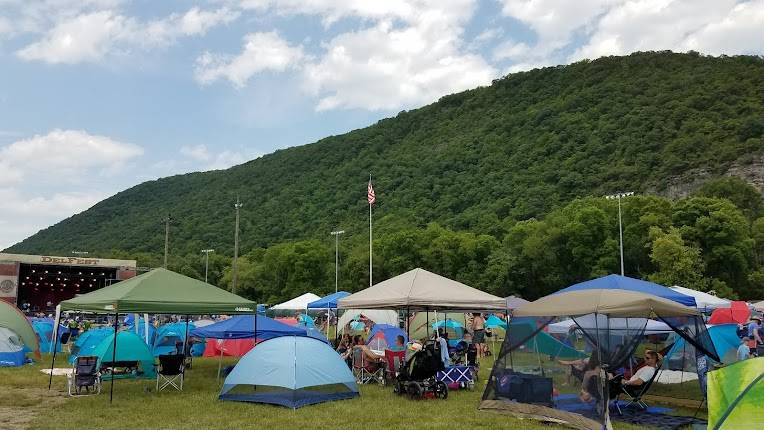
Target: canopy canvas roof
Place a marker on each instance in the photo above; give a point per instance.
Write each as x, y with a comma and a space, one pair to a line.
419, 289
161, 291
703, 300
618, 282
297, 303
514, 302
616, 303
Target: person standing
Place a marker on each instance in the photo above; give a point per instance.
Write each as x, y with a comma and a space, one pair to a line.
754, 337
478, 333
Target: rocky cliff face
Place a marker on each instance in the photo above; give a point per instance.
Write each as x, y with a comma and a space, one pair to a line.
749, 169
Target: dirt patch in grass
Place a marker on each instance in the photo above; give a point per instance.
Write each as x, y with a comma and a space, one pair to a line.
19, 406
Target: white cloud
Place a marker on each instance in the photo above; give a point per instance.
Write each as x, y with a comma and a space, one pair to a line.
64, 155
205, 160
261, 52
568, 31
91, 36
46, 178
334, 10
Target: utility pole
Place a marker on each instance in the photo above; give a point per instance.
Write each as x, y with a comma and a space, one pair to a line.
236, 206
167, 222
619, 196
336, 235
206, 261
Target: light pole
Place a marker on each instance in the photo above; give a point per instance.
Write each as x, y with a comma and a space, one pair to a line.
206, 261
336, 235
619, 196
236, 206
167, 222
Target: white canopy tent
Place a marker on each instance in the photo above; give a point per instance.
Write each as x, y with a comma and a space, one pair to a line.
298, 303
703, 300
759, 306
419, 289
612, 324
379, 316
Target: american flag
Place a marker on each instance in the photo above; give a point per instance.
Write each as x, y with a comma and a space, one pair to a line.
370, 194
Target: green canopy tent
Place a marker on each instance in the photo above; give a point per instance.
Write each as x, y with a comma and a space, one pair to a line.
159, 291
735, 395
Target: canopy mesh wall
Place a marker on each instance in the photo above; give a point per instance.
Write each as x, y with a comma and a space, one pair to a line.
562, 377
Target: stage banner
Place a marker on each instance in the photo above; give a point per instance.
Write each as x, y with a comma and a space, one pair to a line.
8, 286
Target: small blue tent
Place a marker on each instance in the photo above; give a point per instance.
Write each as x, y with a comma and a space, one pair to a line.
495, 322
455, 330
12, 349
43, 327
88, 341
723, 336
382, 336
243, 327
130, 348
290, 371
328, 302
170, 335
618, 282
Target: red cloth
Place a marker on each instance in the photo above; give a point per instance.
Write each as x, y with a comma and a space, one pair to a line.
737, 313
287, 320
230, 347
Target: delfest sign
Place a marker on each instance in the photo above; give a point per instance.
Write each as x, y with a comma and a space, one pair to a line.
8, 286
69, 261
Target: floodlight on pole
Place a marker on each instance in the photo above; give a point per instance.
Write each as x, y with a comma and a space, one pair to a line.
80, 253
336, 235
167, 222
619, 196
206, 261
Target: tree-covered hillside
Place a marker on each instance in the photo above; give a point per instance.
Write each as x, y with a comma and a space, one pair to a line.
476, 162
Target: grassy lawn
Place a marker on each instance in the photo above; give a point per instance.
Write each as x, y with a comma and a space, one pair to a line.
24, 398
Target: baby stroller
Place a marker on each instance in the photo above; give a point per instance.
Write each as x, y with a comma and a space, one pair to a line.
464, 354
417, 376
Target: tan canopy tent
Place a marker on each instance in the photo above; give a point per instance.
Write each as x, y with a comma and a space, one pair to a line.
419, 289
759, 306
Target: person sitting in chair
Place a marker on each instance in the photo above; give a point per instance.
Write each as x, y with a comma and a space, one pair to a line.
646, 372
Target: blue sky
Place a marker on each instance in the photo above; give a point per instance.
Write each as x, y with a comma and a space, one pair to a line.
100, 95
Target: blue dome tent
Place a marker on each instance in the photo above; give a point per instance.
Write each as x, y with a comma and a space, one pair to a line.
12, 350
170, 335
290, 371
43, 327
618, 282
130, 348
382, 337
455, 330
88, 341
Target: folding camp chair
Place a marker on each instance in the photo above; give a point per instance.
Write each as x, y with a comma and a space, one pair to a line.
170, 371
395, 360
636, 393
366, 371
84, 374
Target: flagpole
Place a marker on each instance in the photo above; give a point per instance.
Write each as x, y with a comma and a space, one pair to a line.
370, 248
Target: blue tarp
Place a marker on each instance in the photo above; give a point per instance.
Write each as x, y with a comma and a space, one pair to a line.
328, 302
290, 371
388, 334
243, 327
618, 282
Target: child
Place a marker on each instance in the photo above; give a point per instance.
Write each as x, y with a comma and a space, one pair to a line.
743, 351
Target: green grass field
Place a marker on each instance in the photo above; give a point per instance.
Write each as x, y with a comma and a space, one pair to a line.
25, 403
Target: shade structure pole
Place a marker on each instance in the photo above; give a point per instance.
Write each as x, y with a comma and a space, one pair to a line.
234, 271
54, 343
113, 357
507, 339
620, 232
146, 329
185, 348
220, 342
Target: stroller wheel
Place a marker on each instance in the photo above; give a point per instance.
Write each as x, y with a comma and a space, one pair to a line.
414, 390
441, 390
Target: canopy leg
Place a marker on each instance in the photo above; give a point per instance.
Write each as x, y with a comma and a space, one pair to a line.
113, 357
55, 344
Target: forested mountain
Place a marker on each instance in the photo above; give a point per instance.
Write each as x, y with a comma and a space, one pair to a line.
477, 169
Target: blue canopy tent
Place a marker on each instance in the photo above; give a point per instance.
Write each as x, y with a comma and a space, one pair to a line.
618, 282
382, 337
243, 327
290, 371
328, 302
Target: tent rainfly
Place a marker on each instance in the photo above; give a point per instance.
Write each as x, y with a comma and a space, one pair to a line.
298, 303
419, 289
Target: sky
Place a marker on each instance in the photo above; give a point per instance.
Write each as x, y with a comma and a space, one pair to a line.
99, 95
